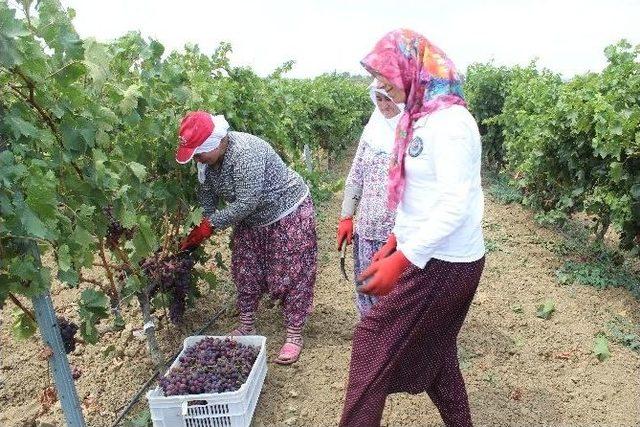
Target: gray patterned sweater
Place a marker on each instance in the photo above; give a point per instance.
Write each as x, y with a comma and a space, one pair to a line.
252, 186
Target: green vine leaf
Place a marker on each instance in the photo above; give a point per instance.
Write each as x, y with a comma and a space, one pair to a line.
601, 348
23, 326
544, 311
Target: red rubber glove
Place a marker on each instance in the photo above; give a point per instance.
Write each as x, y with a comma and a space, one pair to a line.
384, 274
197, 235
386, 249
345, 231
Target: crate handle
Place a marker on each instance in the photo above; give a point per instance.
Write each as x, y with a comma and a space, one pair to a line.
194, 402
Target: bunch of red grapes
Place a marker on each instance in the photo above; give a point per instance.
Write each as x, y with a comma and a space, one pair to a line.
171, 275
68, 331
115, 230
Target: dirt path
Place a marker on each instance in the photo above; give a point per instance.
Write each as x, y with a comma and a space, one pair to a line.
520, 370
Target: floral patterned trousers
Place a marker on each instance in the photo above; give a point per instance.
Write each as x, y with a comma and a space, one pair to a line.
279, 259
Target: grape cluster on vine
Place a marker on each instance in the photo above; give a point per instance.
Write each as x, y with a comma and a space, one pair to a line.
115, 230
171, 275
68, 331
213, 365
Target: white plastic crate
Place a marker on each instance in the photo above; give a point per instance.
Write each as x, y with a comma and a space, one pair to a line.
229, 409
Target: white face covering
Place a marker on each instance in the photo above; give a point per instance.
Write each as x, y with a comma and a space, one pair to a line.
202, 169
220, 129
379, 133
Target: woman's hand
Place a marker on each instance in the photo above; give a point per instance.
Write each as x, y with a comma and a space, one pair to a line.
198, 235
386, 249
383, 275
345, 231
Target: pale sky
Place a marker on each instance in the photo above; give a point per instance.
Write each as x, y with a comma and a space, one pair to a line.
567, 36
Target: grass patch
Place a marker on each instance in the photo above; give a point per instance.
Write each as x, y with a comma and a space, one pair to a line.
586, 261
624, 332
491, 245
502, 189
592, 263
599, 274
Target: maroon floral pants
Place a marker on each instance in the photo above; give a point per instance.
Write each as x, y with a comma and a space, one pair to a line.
279, 259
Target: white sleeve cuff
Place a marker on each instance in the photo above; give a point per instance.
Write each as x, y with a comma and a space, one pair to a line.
416, 257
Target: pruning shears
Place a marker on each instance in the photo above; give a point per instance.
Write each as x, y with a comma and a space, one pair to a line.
343, 254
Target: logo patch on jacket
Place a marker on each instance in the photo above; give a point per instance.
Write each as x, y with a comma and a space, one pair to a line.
415, 147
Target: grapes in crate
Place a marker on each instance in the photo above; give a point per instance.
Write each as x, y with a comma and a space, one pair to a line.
213, 365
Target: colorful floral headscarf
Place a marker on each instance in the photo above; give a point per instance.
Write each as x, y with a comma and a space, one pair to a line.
430, 82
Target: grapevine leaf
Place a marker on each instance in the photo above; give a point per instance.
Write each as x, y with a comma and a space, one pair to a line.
118, 322
133, 284
9, 54
88, 329
69, 277
93, 307
86, 211
35, 278
99, 158
21, 127
56, 29
220, 262
161, 300
210, 278
154, 50
143, 419
144, 241
71, 73
81, 237
138, 170
616, 171
195, 217
122, 191
130, 99
23, 326
102, 138
73, 138
71, 43
94, 301
601, 348
617, 130
64, 258
545, 310
96, 58
33, 225
87, 131
129, 219
41, 193
10, 29
9, 171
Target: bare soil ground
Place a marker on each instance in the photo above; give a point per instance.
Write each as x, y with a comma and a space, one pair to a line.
520, 370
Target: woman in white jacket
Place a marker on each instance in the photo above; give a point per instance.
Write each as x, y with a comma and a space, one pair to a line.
428, 271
